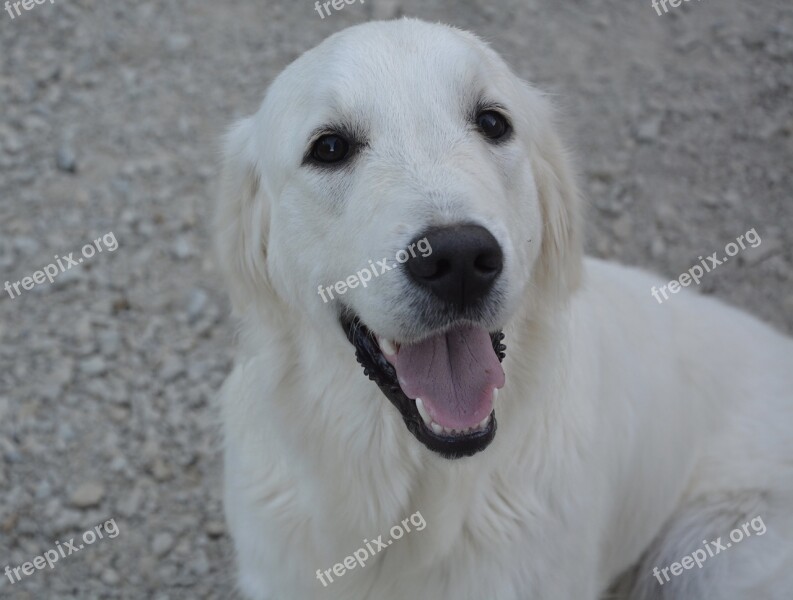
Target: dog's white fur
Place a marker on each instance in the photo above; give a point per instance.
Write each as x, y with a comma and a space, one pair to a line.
629, 431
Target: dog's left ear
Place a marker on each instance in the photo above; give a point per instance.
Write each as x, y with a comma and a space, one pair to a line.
242, 219
560, 263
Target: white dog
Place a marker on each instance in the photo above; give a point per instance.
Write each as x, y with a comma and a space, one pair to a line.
625, 434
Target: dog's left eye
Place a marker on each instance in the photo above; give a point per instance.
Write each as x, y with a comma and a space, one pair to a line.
330, 148
492, 124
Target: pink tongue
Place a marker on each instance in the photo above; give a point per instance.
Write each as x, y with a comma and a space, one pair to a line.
454, 375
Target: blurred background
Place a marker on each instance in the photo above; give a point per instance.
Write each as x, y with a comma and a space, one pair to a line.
110, 117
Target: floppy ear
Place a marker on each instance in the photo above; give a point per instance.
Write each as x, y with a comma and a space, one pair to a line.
560, 263
242, 219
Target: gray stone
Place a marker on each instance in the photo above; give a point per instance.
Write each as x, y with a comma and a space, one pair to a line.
649, 129
110, 578
196, 303
66, 159
93, 366
215, 529
177, 43
182, 248
162, 544
87, 494
172, 368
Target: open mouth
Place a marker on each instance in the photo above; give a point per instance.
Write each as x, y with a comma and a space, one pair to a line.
445, 387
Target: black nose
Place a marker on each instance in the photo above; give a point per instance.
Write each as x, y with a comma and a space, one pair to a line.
464, 262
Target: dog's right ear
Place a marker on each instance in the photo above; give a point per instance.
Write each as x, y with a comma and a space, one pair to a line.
241, 221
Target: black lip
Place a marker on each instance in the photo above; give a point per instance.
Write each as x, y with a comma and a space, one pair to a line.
378, 369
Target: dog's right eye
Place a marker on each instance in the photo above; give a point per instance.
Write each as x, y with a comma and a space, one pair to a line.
492, 124
330, 148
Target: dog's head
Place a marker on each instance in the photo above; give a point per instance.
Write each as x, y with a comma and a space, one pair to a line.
400, 181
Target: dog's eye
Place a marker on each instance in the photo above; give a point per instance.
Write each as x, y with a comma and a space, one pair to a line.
492, 124
330, 148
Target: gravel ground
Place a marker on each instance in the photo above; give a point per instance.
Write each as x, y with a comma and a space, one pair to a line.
111, 112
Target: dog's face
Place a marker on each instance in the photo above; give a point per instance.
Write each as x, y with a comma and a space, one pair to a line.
401, 182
